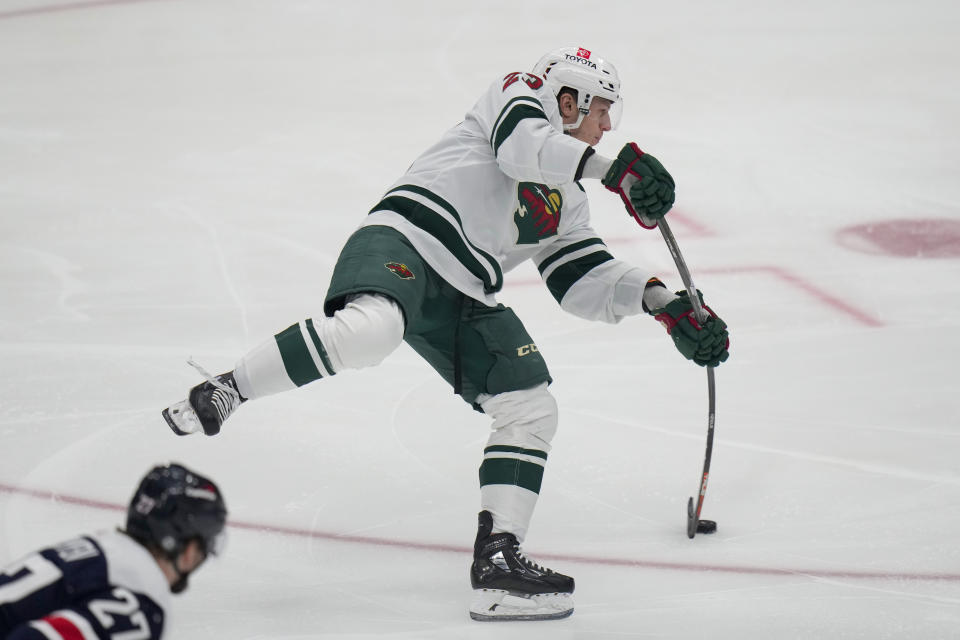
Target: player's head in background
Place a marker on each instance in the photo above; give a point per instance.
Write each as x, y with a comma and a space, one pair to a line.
587, 88
179, 516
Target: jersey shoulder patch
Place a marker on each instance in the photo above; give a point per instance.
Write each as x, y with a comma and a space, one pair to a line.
531, 80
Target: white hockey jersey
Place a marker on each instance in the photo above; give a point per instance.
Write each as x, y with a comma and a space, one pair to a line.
502, 187
104, 586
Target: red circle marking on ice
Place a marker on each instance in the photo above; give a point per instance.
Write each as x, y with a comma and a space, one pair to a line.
924, 238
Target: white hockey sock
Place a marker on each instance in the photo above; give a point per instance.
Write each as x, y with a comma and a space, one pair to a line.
261, 373
524, 423
512, 508
362, 334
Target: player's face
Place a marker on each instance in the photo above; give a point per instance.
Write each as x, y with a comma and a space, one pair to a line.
595, 123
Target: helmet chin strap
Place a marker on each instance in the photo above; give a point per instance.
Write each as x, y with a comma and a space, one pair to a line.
567, 128
182, 582
584, 102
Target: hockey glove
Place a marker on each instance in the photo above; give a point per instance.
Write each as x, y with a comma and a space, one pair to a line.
707, 345
645, 187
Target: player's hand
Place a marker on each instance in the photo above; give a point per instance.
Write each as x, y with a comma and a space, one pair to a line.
646, 188
707, 344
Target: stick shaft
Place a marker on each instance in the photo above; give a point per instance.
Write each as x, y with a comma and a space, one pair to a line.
698, 310
701, 315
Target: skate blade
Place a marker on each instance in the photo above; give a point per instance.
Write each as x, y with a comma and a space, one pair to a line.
492, 605
182, 419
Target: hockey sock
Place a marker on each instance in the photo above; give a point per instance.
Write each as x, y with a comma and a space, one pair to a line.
288, 360
513, 462
362, 334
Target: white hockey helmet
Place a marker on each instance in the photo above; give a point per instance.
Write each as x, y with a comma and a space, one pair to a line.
592, 76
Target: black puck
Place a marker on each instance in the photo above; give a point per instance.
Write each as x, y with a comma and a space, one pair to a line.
706, 526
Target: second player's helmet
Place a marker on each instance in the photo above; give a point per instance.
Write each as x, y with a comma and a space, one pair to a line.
174, 505
591, 75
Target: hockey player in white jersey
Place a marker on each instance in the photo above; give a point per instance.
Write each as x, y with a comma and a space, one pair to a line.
117, 584
425, 265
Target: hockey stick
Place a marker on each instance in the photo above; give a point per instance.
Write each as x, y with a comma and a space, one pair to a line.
694, 524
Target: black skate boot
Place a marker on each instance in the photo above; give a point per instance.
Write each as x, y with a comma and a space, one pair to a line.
206, 407
508, 586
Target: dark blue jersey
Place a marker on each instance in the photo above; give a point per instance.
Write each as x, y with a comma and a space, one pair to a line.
99, 587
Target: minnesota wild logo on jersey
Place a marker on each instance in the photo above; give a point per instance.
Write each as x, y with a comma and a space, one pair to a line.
400, 270
538, 214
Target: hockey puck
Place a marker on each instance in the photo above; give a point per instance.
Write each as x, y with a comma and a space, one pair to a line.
706, 526
695, 526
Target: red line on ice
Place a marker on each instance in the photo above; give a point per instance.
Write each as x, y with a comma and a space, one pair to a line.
694, 228
796, 281
54, 496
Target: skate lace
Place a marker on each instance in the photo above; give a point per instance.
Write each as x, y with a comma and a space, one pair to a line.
225, 399
530, 563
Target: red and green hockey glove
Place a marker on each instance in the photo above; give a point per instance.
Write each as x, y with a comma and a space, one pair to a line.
705, 344
645, 187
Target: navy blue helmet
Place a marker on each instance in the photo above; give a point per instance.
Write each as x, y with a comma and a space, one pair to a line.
174, 505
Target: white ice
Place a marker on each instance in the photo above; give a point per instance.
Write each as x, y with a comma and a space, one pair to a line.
177, 178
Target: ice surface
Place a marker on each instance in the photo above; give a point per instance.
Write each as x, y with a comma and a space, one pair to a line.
176, 179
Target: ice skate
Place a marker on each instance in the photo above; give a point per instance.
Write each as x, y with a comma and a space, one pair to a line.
206, 407
508, 586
